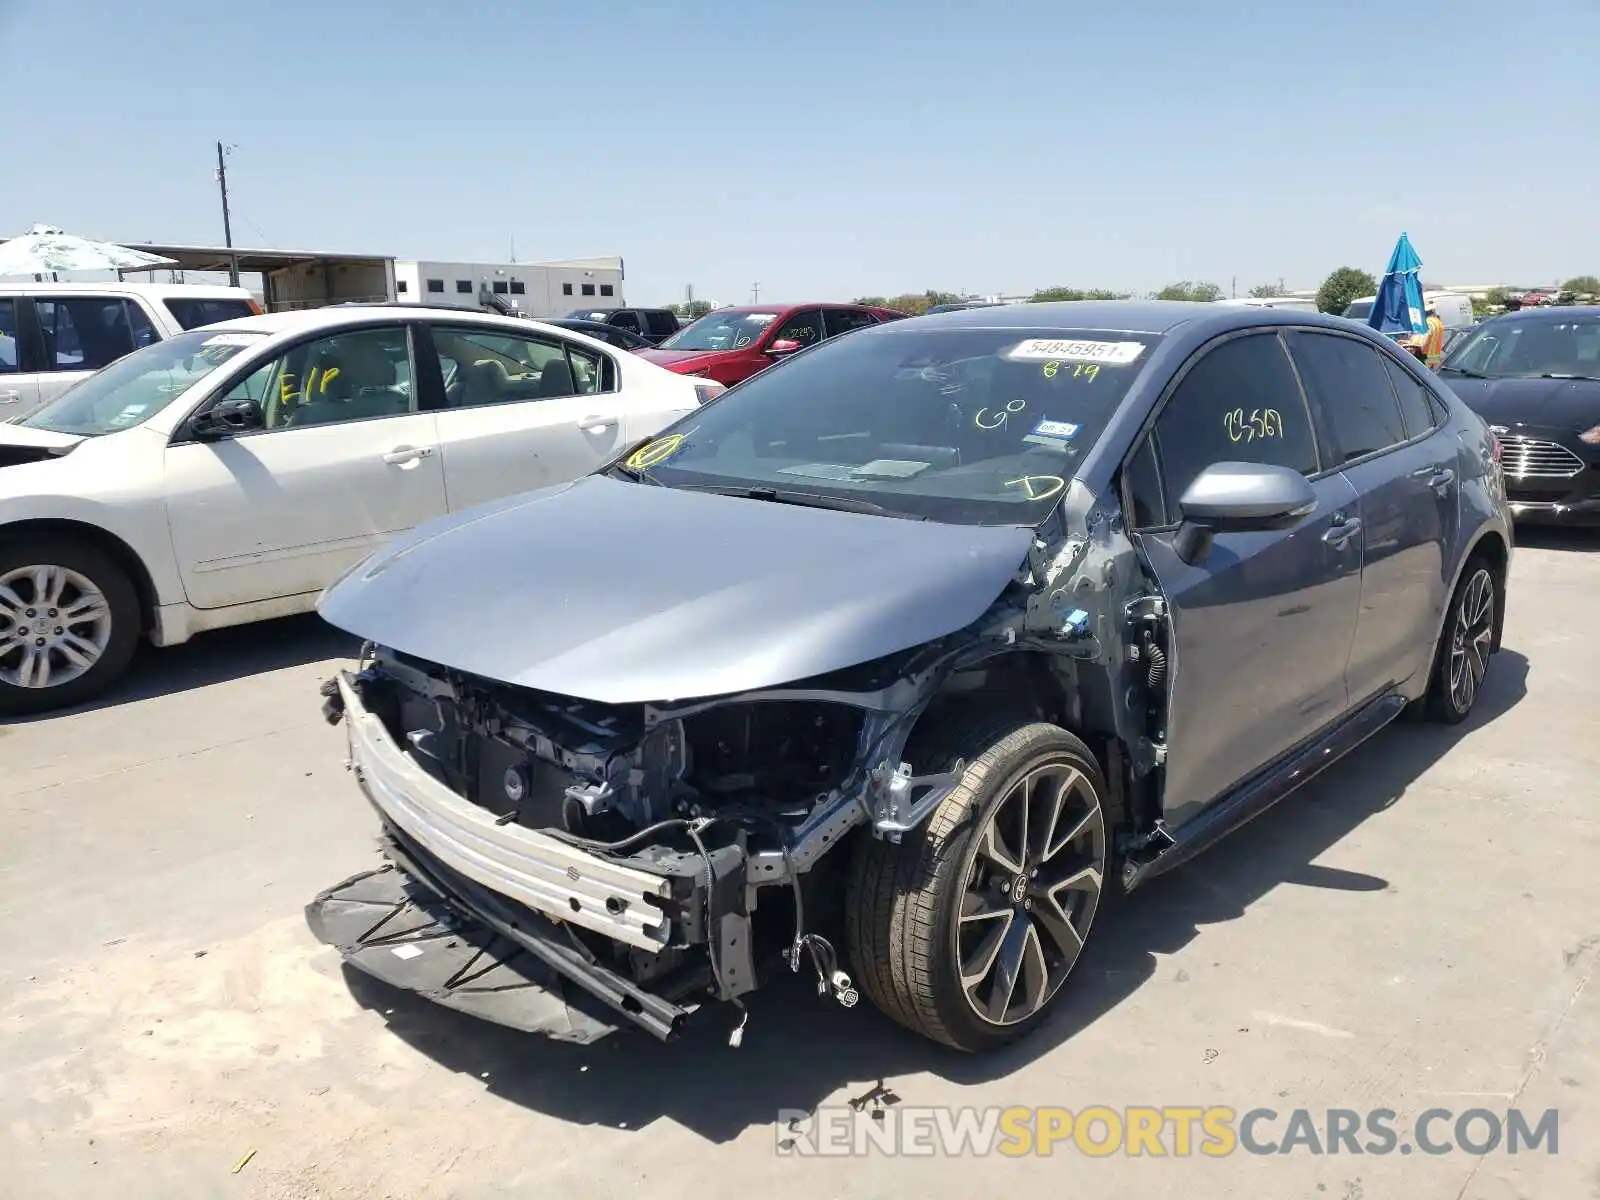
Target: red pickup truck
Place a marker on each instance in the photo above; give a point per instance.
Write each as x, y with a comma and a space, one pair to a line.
732, 344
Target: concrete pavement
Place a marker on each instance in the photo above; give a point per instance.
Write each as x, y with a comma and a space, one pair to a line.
1419, 928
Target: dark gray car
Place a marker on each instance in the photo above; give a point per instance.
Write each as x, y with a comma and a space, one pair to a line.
883, 663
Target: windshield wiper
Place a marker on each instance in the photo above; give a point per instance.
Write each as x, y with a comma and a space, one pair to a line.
1569, 375
639, 474
801, 499
1463, 371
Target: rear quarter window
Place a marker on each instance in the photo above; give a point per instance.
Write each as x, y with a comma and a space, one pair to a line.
192, 313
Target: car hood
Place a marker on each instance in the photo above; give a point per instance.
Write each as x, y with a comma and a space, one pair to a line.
624, 592
23, 444
677, 360
1557, 403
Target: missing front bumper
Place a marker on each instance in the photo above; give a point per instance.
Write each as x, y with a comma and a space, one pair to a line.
388, 926
420, 926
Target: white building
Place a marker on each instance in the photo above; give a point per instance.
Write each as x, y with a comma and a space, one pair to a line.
536, 289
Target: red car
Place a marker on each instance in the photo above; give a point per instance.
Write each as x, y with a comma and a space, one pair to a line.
732, 344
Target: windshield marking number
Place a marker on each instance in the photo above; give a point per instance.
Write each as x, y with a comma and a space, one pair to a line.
998, 419
1262, 423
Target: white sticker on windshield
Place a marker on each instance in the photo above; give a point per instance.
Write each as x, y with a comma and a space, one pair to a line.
1115, 354
760, 318
232, 339
1056, 429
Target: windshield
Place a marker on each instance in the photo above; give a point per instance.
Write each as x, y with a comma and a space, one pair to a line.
732, 330
1509, 347
134, 389
972, 426
1359, 310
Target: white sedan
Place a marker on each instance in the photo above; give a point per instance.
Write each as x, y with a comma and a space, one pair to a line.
228, 474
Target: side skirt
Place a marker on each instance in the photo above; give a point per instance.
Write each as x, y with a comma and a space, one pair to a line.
1173, 847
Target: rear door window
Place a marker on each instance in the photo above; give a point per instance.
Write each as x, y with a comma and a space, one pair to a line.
86, 333
1420, 416
661, 323
1349, 387
843, 320
191, 313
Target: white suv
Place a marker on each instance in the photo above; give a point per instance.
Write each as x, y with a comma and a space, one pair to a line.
52, 335
228, 474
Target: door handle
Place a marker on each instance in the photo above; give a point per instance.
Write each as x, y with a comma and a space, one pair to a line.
596, 424
10, 397
402, 456
1342, 531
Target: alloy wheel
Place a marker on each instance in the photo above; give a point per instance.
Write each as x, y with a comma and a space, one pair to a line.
1033, 882
1470, 640
55, 625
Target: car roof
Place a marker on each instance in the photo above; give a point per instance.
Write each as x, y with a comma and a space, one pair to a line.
1549, 312
198, 291
1126, 316
333, 316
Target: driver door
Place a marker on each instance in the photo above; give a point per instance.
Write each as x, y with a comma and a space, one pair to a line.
343, 461
1261, 626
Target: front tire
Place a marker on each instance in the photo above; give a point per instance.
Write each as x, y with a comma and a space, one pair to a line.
1465, 645
69, 623
966, 930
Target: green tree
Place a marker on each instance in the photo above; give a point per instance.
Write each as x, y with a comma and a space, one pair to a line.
1582, 285
1201, 293
1051, 294
913, 303
1266, 291
1341, 287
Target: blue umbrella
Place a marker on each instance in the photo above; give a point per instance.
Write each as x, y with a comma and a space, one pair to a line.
1399, 307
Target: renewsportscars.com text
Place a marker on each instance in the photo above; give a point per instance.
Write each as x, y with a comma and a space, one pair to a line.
1164, 1131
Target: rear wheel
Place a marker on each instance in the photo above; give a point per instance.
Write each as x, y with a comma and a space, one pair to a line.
1462, 658
69, 622
966, 930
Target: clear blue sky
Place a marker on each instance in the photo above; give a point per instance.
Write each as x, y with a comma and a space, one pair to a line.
829, 148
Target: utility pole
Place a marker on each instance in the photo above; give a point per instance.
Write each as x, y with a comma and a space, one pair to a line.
755, 293
1235, 288
227, 223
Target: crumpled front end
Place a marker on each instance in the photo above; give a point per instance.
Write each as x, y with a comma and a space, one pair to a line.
567, 867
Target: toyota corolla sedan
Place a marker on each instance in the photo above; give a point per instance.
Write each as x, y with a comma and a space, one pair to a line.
1535, 376
881, 667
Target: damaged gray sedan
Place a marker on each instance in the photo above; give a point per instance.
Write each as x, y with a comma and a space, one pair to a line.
884, 664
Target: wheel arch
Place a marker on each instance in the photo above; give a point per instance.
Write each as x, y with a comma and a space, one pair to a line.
108, 543
1491, 545
1033, 685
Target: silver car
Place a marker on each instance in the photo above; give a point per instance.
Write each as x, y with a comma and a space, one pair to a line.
885, 663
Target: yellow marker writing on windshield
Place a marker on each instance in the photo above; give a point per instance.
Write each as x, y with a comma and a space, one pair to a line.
653, 454
1038, 487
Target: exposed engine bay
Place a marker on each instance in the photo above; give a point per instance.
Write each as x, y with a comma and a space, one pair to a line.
730, 803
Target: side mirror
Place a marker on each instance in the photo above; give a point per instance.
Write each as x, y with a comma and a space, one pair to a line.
784, 347
1232, 497
226, 418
